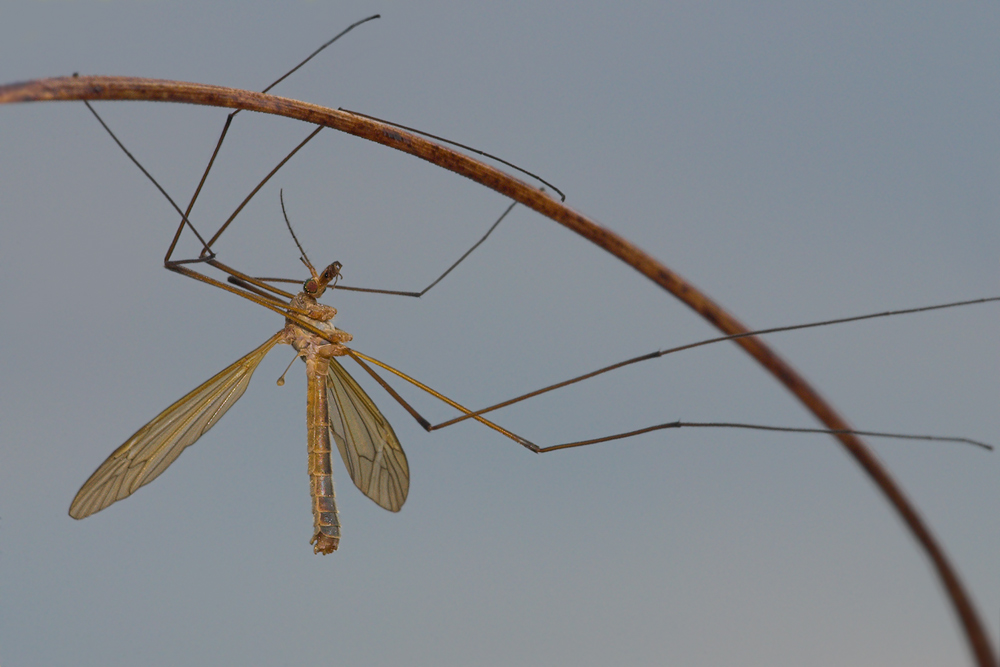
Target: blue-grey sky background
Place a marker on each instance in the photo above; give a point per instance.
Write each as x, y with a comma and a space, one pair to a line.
797, 161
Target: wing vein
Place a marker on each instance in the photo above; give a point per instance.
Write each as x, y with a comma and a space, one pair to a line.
151, 449
368, 445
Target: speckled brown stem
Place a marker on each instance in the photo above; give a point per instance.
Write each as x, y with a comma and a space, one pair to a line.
125, 88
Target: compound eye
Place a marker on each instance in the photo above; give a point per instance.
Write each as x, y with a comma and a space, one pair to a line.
310, 286
331, 272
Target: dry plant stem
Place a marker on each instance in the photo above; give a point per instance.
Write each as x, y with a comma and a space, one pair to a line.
124, 88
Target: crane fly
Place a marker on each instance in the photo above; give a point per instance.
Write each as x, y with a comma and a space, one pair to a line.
337, 409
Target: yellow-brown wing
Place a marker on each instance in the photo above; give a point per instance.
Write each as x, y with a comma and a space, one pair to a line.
367, 443
155, 446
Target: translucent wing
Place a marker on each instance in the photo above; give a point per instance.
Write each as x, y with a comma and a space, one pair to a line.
366, 441
155, 446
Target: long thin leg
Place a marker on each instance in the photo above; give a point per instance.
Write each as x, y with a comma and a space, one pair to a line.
761, 427
197, 190
225, 130
184, 217
358, 357
185, 221
206, 252
708, 341
281, 164
468, 148
447, 271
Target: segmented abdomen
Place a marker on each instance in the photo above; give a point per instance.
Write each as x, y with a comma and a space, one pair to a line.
326, 524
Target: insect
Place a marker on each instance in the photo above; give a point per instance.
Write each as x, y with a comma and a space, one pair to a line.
338, 409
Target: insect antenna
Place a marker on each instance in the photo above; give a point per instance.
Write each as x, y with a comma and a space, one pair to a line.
304, 258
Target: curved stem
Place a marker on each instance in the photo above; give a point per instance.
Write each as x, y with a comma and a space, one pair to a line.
126, 88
